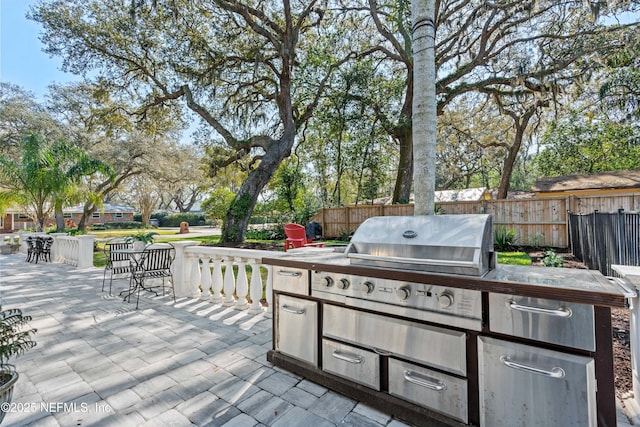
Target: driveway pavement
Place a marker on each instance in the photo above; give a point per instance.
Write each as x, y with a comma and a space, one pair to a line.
100, 362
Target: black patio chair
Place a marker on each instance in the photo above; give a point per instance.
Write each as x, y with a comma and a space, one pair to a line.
31, 248
45, 248
155, 263
117, 263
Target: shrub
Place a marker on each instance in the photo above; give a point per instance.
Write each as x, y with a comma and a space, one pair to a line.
15, 337
552, 259
274, 233
504, 237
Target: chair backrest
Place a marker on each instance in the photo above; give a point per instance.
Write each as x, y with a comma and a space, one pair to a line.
158, 259
47, 242
295, 231
115, 245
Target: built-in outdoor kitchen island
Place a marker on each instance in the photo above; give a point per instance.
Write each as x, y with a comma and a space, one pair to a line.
416, 318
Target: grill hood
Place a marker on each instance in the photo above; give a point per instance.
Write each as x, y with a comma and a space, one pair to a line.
455, 244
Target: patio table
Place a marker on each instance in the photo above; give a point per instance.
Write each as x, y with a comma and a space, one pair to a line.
146, 263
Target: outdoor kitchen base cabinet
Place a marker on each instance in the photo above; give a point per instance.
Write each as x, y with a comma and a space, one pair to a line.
523, 385
434, 390
297, 328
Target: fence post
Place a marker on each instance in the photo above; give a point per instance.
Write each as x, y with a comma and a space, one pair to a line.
595, 239
621, 238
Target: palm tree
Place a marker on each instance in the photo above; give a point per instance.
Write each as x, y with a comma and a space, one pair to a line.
46, 177
72, 164
424, 106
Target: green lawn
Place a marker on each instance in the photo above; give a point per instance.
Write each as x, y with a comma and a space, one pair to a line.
514, 258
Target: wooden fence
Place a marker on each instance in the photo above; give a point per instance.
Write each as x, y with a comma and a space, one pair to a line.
536, 221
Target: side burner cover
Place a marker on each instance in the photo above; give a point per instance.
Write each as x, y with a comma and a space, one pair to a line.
455, 244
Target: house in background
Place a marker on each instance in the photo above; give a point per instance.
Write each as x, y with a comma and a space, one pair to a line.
111, 212
16, 219
597, 184
464, 195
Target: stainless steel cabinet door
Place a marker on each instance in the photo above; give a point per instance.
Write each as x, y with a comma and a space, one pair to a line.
297, 328
292, 280
522, 385
440, 392
353, 363
557, 322
438, 347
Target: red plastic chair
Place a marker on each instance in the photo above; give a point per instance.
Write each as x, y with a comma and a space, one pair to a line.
297, 237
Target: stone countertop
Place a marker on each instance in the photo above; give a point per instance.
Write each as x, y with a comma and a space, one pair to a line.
563, 284
629, 272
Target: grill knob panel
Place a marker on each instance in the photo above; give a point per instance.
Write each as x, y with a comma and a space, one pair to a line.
327, 281
445, 300
343, 284
367, 287
403, 293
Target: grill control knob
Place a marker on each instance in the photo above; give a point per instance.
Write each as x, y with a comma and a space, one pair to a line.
367, 287
343, 283
327, 281
445, 300
403, 293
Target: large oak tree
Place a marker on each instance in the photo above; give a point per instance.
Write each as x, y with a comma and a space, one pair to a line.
231, 62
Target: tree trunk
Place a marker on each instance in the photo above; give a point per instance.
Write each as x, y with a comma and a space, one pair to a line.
60, 226
402, 133
424, 106
520, 123
238, 215
510, 161
402, 189
87, 210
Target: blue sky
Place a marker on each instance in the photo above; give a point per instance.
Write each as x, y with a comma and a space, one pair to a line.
22, 60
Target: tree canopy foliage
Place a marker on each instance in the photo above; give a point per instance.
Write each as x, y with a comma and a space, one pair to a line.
334, 83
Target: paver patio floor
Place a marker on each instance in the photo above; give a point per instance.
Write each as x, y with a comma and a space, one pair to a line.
100, 362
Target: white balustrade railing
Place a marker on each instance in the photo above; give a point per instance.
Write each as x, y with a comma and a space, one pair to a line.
208, 272
73, 250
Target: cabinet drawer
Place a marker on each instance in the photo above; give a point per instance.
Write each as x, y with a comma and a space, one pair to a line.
544, 320
434, 390
358, 365
297, 328
293, 280
438, 347
546, 388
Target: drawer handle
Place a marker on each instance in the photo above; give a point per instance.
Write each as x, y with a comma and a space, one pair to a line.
289, 273
347, 357
558, 312
424, 381
553, 373
293, 310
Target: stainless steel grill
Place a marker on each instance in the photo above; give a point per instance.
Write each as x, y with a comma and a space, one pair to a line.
454, 244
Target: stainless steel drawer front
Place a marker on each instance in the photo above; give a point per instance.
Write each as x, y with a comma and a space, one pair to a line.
353, 363
434, 390
297, 332
437, 347
291, 280
526, 385
544, 320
